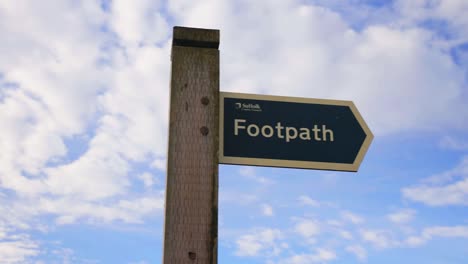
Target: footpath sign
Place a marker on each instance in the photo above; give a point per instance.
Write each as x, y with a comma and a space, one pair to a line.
291, 132
208, 127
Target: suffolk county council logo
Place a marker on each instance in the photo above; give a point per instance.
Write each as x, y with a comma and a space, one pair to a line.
248, 107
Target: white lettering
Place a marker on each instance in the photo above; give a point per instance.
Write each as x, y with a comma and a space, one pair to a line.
279, 127
249, 130
324, 133
290, 135
316, 131
269, 134
237, 126
305, 133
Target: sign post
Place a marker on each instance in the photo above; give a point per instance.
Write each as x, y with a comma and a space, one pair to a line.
291, 132
191, 209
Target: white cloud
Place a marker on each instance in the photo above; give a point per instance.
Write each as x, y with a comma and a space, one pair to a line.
137, 121
95, 175
402, 216
251, 173
260, 242
147, 179
26, 213
352, 217
415, 241
334, 222
452, 143
69, 211
66, 255
139, 22
359, 251
229, 196
198, 14
159, 164
16, 215
306, 200
448, 188
346, 234
307, 228
248, 246
55, 83
267, 210
17, 248
112, 96
65, 85
380, 239
321, 255
437, 232
140, 262
452, 12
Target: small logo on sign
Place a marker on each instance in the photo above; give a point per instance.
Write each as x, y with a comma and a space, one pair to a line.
248, 107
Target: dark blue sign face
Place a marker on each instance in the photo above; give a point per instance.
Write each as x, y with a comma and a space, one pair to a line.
302, 133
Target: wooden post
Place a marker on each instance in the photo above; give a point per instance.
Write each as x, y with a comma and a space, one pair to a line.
191, 217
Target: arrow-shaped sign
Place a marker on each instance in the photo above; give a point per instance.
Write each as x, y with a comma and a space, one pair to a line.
291, 132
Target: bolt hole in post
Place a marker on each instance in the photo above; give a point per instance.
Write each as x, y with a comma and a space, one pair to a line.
204, 130
205, 100
192, 255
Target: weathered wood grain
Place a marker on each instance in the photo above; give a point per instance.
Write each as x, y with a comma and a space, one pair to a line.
191, 213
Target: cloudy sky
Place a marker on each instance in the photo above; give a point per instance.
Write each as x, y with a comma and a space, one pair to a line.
84, 89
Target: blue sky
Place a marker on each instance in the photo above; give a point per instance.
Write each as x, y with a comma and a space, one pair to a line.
84, 92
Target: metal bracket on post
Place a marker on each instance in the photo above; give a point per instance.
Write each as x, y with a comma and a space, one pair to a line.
191, 209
